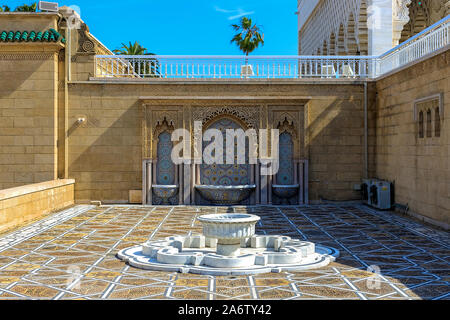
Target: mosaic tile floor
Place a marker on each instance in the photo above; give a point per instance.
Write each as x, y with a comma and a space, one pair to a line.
71, 255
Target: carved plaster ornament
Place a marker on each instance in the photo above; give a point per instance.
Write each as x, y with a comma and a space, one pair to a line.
287, 126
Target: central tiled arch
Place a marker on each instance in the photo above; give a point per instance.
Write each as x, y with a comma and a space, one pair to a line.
225, 174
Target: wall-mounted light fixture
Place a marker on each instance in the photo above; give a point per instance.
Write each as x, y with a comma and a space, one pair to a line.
81, 120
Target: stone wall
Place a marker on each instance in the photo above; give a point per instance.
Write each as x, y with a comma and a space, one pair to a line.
22, 204
29, 83
336, 147
105, 153
419, 166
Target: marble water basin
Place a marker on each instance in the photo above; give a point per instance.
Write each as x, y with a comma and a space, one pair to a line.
229, 230
225, 195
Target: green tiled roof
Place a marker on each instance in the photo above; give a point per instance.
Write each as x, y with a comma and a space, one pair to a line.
50, 35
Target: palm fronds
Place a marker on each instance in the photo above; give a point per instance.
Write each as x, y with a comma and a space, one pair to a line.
149, 68
248, 37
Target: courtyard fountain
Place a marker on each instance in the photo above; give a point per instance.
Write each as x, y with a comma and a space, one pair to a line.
228, 246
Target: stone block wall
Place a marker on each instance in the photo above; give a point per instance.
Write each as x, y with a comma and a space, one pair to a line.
105, 153
418, 166
336, 147
29, 86
28, 101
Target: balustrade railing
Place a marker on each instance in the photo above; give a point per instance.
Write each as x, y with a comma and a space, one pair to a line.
428, 41
234, 67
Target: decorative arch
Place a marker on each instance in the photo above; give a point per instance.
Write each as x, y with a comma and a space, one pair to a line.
325, 48
161, 126
352, 43
287, 126
243, 124
332, 51
423, 14
419, 19
341, 44
248, 115
363, 30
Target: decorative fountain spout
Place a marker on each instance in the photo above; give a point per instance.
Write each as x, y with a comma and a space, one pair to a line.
229, 230
228, 246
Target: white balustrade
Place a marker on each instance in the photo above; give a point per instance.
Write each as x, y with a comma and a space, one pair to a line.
233, 67
275, 67
428, 41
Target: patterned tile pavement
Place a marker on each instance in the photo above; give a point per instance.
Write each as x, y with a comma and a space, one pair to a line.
71, 255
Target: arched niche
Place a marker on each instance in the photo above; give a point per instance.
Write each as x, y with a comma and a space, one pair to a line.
421, 125
437, 122
285, 174
161, 126
287, 125
165, 168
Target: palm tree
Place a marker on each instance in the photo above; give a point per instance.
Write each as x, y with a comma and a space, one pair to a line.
132, 49
147, 69
5, 9
26, 8
248, 37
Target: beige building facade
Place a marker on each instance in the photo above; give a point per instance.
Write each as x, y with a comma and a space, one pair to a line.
59, 121
363, 27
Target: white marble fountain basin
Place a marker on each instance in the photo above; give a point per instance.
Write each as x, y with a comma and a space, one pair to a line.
229, 230
228, 246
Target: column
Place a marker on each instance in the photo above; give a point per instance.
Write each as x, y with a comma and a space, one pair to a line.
187, 178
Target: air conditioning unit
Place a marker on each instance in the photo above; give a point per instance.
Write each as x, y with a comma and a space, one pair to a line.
381, 195
48, 6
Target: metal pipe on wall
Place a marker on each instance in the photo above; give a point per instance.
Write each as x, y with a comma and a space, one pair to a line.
366, 128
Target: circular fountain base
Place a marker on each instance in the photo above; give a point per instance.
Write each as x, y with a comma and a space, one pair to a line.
231, 250
257, 254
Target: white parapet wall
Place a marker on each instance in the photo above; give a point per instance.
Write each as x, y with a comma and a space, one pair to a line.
22, 204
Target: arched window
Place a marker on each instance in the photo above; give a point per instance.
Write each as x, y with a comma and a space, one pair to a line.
421, 125
429, 124
437, 123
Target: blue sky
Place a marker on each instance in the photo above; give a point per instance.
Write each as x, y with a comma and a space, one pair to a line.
193, 27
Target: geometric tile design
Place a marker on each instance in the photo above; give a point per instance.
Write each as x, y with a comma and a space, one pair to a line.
285, 174
71, 255
226, 174
165, 169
